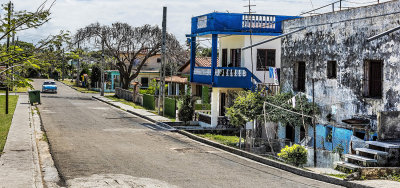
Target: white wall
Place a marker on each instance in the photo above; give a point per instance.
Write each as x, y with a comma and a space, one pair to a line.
216, 101
240, 41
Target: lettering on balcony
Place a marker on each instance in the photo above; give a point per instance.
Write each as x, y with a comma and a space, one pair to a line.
201, 22
258, 21
203, 72
231, 72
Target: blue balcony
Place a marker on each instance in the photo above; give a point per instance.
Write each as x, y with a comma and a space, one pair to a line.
226, 77
235, 23
214, 24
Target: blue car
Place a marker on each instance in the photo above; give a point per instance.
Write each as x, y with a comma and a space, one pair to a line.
49, 87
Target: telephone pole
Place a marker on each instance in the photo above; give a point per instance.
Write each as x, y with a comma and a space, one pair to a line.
314, 125
161, 93
8, 46
78, 67
63, 65
102, 64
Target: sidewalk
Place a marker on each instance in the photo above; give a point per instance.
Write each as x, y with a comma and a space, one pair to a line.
19, 165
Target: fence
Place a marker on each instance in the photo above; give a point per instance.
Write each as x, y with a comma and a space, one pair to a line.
170, 107
148, 101
129, 96
124, 94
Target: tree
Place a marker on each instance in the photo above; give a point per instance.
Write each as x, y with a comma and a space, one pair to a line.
248, 106
186, 112
130, 46
21, 58
95, 76
203, 52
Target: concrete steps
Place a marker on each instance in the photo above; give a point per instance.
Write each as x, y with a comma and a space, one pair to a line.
387, 145
360, 160
346, 167
370, 151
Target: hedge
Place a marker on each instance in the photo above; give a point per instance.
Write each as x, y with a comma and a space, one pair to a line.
202, 106
148, 102
170, 107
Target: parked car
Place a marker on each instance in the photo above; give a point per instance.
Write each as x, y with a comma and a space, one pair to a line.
49, 87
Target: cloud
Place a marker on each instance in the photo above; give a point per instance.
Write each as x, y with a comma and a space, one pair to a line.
74, 14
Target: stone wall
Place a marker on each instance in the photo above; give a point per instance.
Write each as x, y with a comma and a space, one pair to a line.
389, 126
342, 36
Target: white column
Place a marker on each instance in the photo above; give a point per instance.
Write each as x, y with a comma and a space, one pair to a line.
215, 106
186, 87
170, 88
177, 88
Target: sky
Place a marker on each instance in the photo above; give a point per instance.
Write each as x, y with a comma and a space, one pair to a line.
70, 15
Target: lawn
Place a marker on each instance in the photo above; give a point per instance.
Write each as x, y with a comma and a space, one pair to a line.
226, 140
17, 89
5, 120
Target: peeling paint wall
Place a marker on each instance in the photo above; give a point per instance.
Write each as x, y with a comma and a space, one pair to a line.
341, 36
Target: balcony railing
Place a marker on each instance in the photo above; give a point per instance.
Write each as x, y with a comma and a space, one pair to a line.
228, 77
218, 23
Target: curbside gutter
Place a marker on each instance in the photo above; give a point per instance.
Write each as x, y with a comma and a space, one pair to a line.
252, 156
163, 125
273, 163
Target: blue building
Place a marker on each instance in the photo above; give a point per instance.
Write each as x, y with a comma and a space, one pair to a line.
236, 69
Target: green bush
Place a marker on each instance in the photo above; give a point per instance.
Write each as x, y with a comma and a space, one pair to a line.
186, 111
295, 155
202, 106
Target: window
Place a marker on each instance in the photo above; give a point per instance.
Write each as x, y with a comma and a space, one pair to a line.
265, 58
373, 76
328, 136
158, 60
331, 70
224, 57
236, 55
199, 90
299, 76
145, 82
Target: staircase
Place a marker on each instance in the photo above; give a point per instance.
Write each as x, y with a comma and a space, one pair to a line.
377, 154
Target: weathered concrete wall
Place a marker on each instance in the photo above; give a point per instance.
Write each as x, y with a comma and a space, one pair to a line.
341, 36
325, 159
389, 125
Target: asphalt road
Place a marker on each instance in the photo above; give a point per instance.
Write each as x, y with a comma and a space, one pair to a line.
96, 145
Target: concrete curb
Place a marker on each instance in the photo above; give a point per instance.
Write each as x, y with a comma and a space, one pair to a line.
273, 163
140, 115
50, 174
255, 157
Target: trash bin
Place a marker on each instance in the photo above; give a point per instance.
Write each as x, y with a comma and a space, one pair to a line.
34, 96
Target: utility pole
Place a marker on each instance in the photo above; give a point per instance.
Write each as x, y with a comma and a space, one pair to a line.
250, 19
12, 63
161, 93
63, 66
78, 67
8, 46
314, 125
102, 63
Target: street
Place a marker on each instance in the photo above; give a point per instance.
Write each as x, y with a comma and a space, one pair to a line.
95, 144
